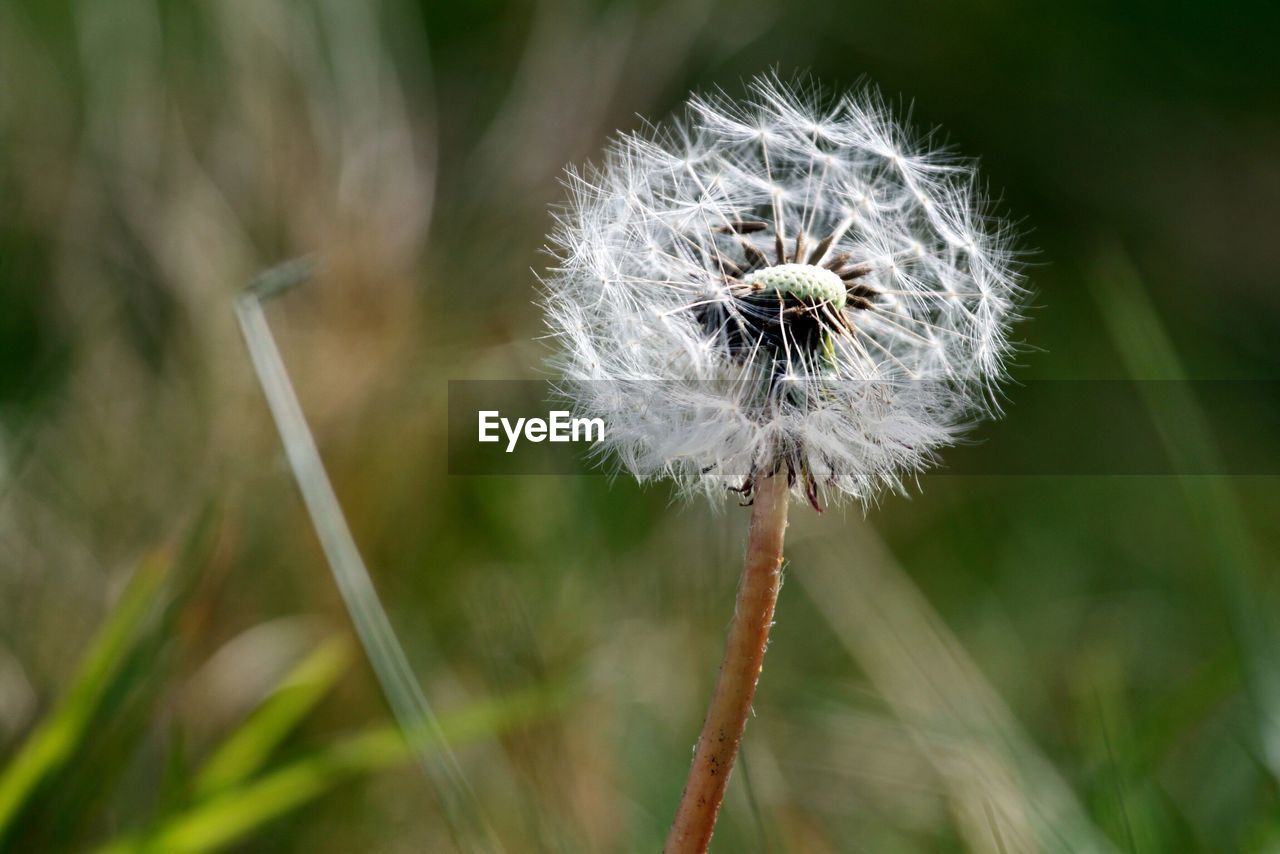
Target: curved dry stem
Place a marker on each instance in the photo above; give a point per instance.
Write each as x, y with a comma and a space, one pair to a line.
739, 671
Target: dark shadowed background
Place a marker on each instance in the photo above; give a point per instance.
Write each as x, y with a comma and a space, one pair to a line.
995, 663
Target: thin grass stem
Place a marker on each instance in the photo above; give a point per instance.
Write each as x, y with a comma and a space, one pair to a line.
390, 664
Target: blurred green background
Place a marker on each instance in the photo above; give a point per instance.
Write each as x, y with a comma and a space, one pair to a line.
993, 664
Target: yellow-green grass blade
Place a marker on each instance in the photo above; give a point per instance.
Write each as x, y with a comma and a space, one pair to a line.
56, 739
248, 748
232, 815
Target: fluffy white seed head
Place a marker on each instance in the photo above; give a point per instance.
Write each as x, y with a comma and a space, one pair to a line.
780, 282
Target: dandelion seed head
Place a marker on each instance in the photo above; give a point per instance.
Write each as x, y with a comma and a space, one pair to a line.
781, 282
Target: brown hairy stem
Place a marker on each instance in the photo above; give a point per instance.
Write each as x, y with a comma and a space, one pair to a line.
739, 670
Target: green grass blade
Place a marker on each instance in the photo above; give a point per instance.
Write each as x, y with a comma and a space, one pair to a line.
251, 745
467, 821
232, 815
60, 735
999, 783
1148, 353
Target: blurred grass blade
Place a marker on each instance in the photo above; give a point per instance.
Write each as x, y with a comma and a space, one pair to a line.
1006, 795
251, 745
232, 815
59, 737
1148, 354
389, 662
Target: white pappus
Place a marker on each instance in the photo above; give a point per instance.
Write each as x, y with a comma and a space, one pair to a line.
783, 281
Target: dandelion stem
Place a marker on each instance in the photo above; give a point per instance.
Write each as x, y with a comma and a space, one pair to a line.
739, 671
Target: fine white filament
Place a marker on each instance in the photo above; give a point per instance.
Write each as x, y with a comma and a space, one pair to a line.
693, 302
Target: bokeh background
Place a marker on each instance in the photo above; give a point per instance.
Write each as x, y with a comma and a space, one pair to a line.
994, 663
